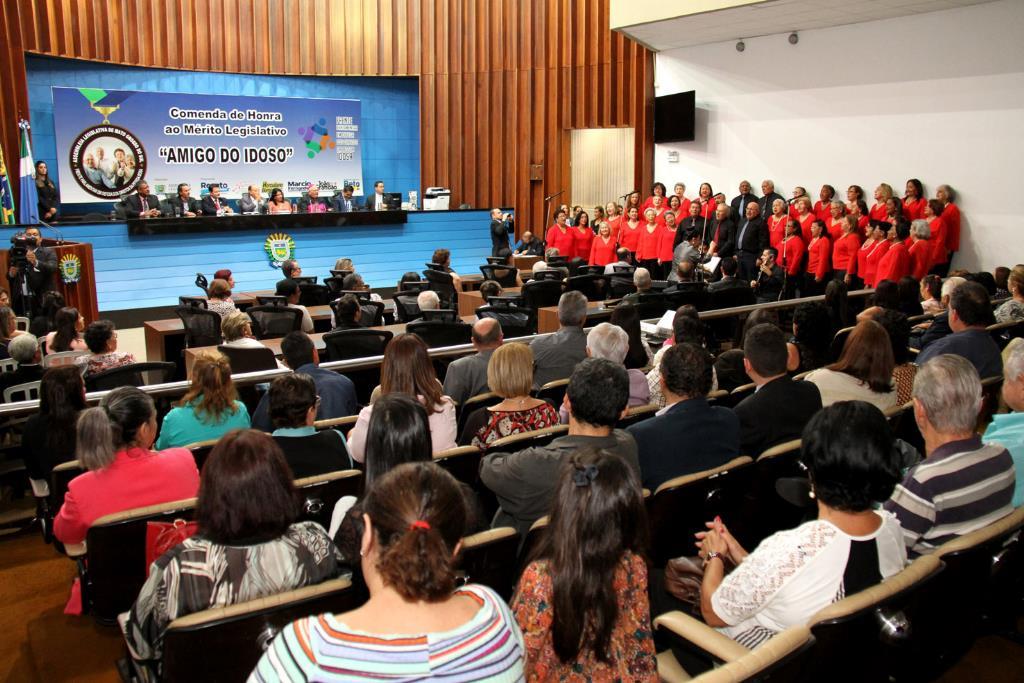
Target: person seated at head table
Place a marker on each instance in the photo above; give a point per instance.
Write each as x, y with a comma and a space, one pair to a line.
250, 543
183, 204
251, 201
210, 407
101, 338
215, 205
308, 452
344, 202
277, 203
113, 443
312, 202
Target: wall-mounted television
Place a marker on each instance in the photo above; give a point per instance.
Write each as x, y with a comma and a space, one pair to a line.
673, 117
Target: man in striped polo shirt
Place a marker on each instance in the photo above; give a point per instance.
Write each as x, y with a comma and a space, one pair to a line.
962, 485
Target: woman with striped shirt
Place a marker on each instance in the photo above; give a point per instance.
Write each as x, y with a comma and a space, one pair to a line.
416, 624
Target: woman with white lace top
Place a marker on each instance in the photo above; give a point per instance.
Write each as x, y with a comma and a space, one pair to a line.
792, 574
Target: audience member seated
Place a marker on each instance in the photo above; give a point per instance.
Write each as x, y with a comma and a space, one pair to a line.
685, 280
611, 342
45, 321
68, 325
291, 269
427, 300
443, 258
962, 485
622, 254
729, 280
398, 433
114, 442
48, 437
489, 289
812, 336
779, 408
687, 435
642, 282
939, 327
418, 622
225, 274
529, 246
863, 371
25, 350
557, 354
466, 377
970, 311
639, 355
249, 543
308, 452
289, 289
353, 282
8, 330
219, 300
1007, 429
347, 313
337, 393
101, 338
904, 369
931, 295
910, 296
1001, 275
525, 481
686, 328
582, 601
210, 407
407, 369
510, 376
237, 331
1013, 310
793, 574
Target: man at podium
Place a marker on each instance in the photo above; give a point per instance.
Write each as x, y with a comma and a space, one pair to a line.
31, 271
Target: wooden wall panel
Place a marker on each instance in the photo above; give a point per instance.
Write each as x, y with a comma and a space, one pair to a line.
502, 82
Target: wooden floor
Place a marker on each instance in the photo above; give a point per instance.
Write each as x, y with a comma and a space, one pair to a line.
39, 643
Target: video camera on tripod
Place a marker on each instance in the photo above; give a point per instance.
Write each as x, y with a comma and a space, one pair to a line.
20, 244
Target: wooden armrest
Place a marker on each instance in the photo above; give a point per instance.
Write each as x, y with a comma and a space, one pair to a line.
75, 550
701, 635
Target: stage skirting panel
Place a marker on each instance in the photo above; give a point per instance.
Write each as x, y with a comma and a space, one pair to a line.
152, 271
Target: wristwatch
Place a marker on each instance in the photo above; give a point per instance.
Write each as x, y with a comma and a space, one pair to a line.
712, 555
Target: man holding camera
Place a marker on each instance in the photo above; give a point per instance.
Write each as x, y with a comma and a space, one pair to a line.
500, 228
31, 271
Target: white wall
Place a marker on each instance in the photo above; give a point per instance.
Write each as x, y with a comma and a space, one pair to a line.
938, 96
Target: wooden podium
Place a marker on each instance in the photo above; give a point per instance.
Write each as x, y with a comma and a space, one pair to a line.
81, 294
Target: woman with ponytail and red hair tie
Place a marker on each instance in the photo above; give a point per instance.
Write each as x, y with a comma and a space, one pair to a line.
418, 623
582, 601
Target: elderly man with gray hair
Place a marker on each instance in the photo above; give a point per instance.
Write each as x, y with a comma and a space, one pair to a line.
25, 350
611, 342
1008, 429
939, 326
556, 355
962, 485
643, 283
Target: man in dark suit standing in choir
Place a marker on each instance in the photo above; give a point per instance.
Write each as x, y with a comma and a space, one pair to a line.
343, 203
376, 202
689, 435
780, 408
739, 203
214, 204
722, 233
142, 204
182, 203
751, 239
768, 198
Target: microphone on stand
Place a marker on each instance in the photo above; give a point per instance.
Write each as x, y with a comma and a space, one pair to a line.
552, 196
60, 237
626, 196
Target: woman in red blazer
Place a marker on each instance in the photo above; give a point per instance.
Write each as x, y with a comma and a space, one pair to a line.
920, 251
870, 253
914, 201
684, 203
602, 249
614, 220
893, 210
823, 207
879, 210
799, 194
834, 222
819, 260
805, 218
951, 214
114, 443
657, 190
854, 194
706, 199
777, 222
895, 264
629, 232
632, 201
582, 236
844, 252
791, 250
559, 236
940, 237
860, 210
647, 249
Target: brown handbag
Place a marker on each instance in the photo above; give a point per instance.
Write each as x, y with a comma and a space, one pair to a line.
683, 577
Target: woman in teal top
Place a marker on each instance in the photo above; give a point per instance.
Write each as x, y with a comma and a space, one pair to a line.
209, 409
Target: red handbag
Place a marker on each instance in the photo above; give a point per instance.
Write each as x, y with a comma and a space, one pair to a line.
162, 536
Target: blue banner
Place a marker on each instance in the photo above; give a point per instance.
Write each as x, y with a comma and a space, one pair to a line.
110, 140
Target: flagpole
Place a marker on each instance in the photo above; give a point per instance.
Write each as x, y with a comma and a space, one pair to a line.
29, 197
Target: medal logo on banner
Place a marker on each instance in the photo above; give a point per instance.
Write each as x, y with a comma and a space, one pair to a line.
107, 160
279, 247
70, 269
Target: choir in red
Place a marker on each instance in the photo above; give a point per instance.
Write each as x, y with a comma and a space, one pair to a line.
829, 239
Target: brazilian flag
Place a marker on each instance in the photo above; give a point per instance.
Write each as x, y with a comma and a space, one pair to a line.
6, 195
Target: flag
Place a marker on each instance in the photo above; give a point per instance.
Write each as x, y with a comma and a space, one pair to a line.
6, 194
29, 206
